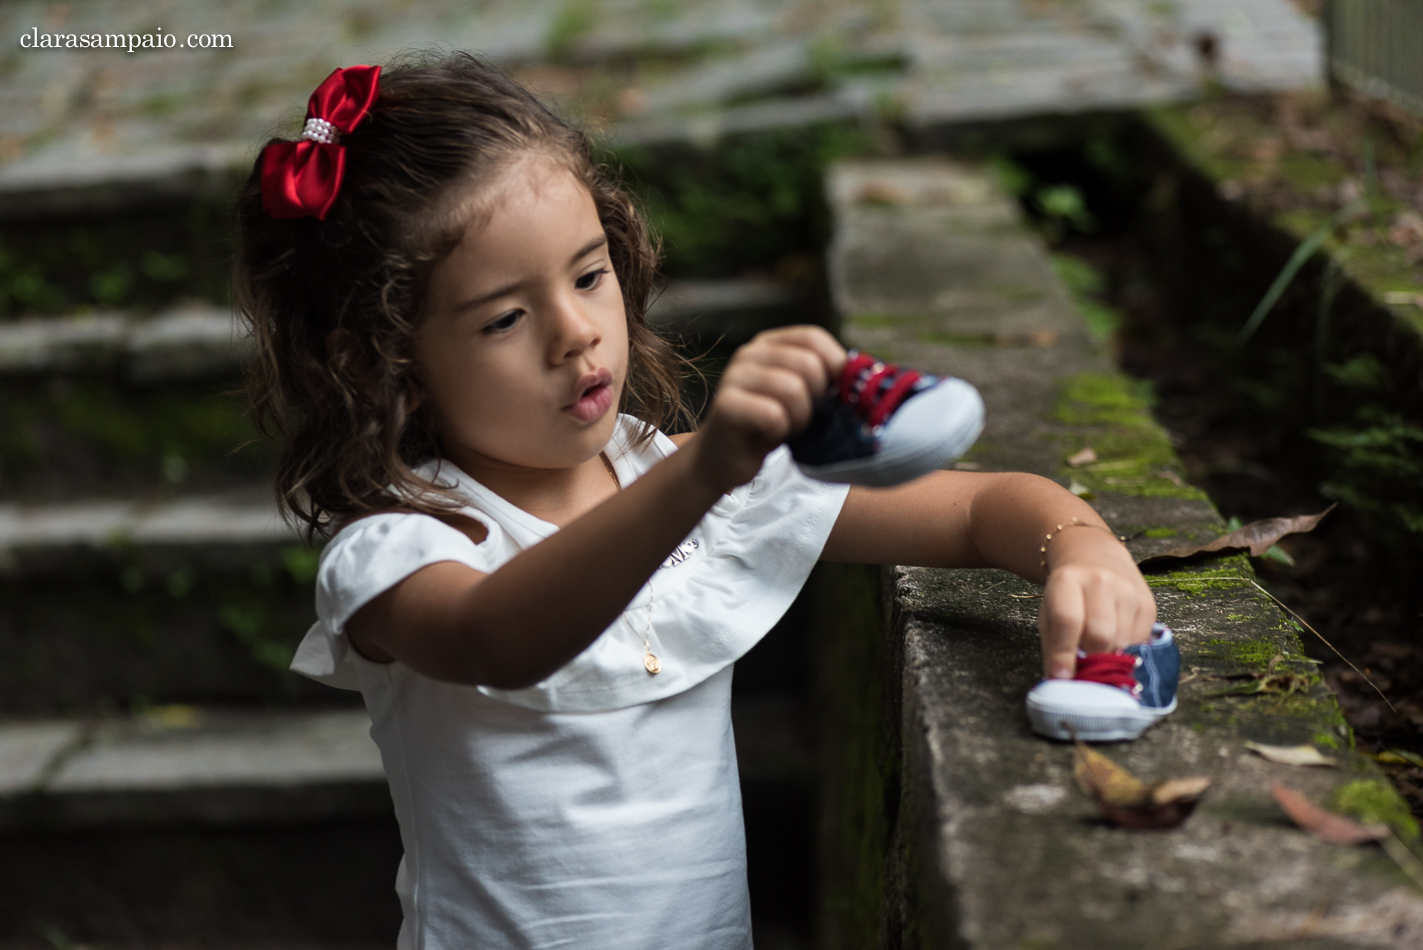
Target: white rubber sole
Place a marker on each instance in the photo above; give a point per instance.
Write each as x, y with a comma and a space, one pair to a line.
927, 432
1092, 712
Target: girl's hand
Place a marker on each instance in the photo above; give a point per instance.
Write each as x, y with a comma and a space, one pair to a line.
765, 396
1095, 599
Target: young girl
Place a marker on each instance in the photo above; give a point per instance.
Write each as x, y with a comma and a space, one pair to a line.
538, 594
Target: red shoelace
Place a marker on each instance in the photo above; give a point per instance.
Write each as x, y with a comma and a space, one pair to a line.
874, 388
1110, 669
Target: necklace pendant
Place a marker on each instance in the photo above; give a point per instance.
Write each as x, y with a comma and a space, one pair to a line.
652, 664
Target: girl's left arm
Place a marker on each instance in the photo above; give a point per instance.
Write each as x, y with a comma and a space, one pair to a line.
1093, 597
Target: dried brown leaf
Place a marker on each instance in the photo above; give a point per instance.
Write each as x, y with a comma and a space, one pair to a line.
1291, 754
1256, 537
1323, 824
1107, 781
1127, 801
1085, 457
1174, 790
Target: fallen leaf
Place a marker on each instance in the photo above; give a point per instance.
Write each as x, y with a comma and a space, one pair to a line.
1081, 490
174, 716
1323, 824
1398, 757
1291, 754
1257, 537
1127, 801
1084, 457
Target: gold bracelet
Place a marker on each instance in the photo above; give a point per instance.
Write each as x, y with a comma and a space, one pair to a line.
1074, 523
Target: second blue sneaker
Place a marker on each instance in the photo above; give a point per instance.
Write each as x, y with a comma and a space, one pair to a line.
1114, 696
881, 425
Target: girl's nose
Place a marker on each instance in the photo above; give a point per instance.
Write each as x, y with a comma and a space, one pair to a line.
574, 330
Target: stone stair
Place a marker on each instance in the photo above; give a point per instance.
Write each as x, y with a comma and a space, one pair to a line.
163, 780
85, 130
147, 612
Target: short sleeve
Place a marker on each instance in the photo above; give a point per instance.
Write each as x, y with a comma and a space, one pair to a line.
364, 561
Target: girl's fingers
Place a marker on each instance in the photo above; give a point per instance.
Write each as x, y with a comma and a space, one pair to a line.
1060, 627
1101, 621
804, 362
780, 384
1125, 634
763, 417
816, 339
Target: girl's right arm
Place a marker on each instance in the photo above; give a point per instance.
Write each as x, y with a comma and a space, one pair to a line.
516, 626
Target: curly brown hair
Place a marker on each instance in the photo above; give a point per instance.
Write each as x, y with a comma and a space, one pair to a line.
345, 406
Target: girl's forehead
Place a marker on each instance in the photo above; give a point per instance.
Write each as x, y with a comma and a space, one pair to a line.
528, 178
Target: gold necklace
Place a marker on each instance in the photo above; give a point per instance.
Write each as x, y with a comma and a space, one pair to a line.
649, 660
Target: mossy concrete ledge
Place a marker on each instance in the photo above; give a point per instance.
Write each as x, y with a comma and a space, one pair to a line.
947, 822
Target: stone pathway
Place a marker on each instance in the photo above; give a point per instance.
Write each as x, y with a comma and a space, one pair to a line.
637, 70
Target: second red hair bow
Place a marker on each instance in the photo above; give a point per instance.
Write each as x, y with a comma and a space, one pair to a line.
301, 179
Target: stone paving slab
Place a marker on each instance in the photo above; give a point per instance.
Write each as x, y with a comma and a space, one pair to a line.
75, 125
189, 342
180, 764
1003, 850
184, 748
99, 524
27, 750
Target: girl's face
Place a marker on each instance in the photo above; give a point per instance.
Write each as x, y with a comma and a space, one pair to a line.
523, 346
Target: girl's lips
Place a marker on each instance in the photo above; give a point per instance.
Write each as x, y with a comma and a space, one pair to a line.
593, 398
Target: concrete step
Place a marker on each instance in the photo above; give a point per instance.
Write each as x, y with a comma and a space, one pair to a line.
104, 604
92, 130
221, 828
39, 539
191, 341
180, 764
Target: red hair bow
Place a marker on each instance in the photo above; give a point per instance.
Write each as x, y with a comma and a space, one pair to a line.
301, 179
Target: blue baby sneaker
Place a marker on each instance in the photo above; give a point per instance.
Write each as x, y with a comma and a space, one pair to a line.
1113, 696
882, 425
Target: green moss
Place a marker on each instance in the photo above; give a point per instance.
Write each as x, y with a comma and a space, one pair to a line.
574, 20
1086, 286
1325, 740
143, 261
1227, 573
1134, 454
1249, 654
1375, 801
862, 784
752, 201
1161, 532
92, 424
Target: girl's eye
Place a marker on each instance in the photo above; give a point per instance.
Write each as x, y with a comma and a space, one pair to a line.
504, 323
591, 279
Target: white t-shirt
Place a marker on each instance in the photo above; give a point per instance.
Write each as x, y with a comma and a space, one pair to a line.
599, 808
